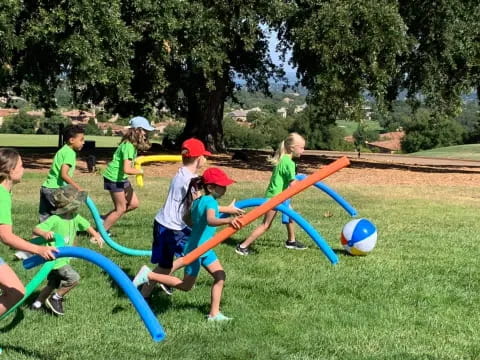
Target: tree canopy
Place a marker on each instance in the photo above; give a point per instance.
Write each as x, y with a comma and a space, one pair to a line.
136, 56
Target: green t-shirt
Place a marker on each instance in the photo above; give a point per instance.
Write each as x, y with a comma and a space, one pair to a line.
66, 155
114, 170
283, 174
67, 228
5, 206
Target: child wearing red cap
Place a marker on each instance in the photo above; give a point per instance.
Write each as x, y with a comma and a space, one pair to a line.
169, 230
204, 212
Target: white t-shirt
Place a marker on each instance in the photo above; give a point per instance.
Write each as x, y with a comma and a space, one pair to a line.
171, 214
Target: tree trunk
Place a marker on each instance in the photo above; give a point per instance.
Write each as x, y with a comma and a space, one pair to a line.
205, 115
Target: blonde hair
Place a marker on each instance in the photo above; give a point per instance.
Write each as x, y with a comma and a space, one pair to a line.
8, 160
135, 136
285, 147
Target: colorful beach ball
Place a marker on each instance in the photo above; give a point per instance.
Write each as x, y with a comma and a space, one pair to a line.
359, 236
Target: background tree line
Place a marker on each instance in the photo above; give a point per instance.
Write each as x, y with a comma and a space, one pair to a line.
135, 56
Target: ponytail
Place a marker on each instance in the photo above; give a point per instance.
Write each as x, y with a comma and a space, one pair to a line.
194, 186
285, 147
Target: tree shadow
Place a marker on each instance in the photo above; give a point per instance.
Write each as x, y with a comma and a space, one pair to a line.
17, 319
26, 352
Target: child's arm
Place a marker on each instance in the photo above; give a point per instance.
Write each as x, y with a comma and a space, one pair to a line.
231, 209
129, 170
95, 236
212, 220
14, 241
47, 235
67, 178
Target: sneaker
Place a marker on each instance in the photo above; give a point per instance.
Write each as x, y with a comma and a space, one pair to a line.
241, 251
22, 255
56, 305
295, 245
142, 276
166, 289
219, 317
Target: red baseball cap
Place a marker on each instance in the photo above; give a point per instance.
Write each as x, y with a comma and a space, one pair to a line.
217, 177
194, 148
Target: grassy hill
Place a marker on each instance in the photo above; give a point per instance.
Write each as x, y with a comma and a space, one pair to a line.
466, 152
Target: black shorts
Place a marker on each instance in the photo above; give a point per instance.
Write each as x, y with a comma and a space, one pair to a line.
116, 186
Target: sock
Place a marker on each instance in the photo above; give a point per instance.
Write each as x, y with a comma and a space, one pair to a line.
56, 296
37, 304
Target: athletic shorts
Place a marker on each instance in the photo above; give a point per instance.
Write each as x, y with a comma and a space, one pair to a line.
206, 259
167, 243
116, 186
62, 277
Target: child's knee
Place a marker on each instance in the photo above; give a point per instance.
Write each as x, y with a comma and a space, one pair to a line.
219, 275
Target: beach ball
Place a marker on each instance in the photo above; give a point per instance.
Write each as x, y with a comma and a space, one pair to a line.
359, 236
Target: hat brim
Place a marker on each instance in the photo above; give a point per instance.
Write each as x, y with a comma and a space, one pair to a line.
223, 182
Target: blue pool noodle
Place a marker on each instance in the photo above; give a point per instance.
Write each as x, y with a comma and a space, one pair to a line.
305, 225
110, 242
149, 319
330, 192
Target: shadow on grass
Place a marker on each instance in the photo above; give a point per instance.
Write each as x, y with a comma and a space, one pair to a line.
341, 251
26, 352
19, 316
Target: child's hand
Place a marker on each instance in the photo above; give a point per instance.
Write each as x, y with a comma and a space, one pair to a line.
97, 239
235, 222
232, 209
48, 235
46, 252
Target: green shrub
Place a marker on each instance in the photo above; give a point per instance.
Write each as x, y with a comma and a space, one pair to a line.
238, 136
50, 125
21, 123
172, 131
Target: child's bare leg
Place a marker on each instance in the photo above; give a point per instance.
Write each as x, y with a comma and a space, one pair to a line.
11, 286
46, 291
185, 285
132, 199
216, 270
260, 230
148, 287
290, 231
120, 204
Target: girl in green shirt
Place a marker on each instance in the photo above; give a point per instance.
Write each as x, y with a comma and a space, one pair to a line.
11, 172
282, 176
115, 177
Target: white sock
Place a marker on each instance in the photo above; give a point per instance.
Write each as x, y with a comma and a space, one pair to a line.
37, 304
56, 296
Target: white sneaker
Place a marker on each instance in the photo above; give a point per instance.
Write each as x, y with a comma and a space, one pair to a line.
22, 255
142, 276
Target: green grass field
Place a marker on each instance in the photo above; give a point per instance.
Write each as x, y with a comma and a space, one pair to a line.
414, 297
21, 140
351, 126
466, 152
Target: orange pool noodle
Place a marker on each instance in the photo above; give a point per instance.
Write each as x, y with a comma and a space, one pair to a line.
264, 208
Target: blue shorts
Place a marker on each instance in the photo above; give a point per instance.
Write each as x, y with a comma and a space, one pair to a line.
167, 243
206, 259
116, 186
1, 261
